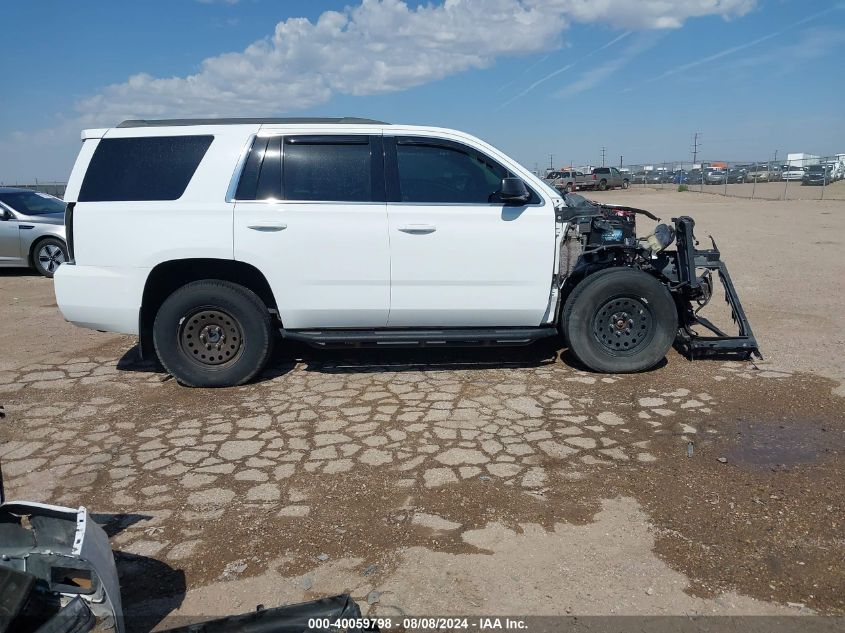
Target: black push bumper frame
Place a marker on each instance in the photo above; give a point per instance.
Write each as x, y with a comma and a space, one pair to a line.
698, 288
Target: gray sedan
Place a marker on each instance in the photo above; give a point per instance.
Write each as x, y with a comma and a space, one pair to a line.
32, 230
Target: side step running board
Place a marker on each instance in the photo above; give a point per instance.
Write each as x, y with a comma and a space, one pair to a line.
420, 337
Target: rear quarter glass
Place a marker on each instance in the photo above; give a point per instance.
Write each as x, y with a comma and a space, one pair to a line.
143, 168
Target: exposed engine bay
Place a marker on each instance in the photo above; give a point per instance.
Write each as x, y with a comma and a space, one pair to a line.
601, 236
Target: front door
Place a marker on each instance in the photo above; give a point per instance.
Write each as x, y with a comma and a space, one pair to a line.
310, 215
459, 257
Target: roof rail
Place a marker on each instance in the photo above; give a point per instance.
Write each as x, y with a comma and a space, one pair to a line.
347, 120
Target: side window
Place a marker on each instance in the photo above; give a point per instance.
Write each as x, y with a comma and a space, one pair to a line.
329, 168
261, 177
142, 168
434, 172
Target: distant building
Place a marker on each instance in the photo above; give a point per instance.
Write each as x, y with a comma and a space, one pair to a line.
800, 159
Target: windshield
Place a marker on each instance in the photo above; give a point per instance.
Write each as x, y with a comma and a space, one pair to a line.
32, 202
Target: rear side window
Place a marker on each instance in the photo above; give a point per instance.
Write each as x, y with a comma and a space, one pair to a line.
330, 168
601, 170
327, 168
142, 168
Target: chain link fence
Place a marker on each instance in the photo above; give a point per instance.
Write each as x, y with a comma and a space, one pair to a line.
798, 177
53, 188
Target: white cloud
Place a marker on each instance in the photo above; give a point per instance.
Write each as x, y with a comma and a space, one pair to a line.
375, 47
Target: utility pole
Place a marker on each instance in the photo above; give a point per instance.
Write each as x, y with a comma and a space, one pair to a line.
603, 152
620, 160
551, 161
776, 157
695, 146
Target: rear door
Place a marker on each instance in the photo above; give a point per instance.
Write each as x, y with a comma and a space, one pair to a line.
459, 256
310, 214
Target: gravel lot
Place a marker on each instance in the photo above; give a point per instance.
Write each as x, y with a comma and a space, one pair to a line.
464, 482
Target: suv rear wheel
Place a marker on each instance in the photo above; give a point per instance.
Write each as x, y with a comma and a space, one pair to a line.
213, 333
620, 320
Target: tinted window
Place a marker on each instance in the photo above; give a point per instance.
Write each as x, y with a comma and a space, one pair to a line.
32, 203
144, 168
601, 170
248, 184
327, 168
270, 177
441, 173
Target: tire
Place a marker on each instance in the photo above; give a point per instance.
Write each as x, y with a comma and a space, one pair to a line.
602, 185
47, 255
625, 184
620, 320
224, 318
568, 188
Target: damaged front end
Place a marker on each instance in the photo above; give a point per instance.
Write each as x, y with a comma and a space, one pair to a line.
601, 236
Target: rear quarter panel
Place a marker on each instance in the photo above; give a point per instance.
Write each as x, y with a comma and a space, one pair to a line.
143, 234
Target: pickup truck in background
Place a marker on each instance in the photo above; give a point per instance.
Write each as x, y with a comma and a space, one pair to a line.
604, 178
568, 181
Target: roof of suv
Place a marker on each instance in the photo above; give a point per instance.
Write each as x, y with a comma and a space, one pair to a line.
348, 120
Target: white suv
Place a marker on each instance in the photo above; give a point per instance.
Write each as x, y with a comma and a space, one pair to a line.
206, 237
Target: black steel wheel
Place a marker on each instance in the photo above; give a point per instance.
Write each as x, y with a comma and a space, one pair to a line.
211, 337
622, 325
213, 333
620, 320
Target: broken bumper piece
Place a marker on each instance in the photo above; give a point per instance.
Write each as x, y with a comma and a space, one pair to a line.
57, 572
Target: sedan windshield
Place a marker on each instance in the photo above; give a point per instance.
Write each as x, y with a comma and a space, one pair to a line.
32, 202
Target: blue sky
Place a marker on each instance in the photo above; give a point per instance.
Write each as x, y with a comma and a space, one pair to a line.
533, 77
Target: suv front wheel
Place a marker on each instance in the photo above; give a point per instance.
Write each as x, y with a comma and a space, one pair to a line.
213, 333
620, 320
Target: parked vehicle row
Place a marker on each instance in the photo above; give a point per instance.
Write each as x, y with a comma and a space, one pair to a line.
813, 174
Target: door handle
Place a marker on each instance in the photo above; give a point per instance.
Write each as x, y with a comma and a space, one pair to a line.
419, 229
267, 226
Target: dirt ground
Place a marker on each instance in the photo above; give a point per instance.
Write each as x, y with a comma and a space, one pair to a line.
499, 481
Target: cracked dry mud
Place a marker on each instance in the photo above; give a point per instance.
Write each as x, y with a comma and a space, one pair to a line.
365, 456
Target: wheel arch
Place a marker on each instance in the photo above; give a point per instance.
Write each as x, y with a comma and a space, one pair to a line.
30, 258
171, 275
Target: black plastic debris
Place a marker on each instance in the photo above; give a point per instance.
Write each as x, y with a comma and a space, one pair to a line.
293, 618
